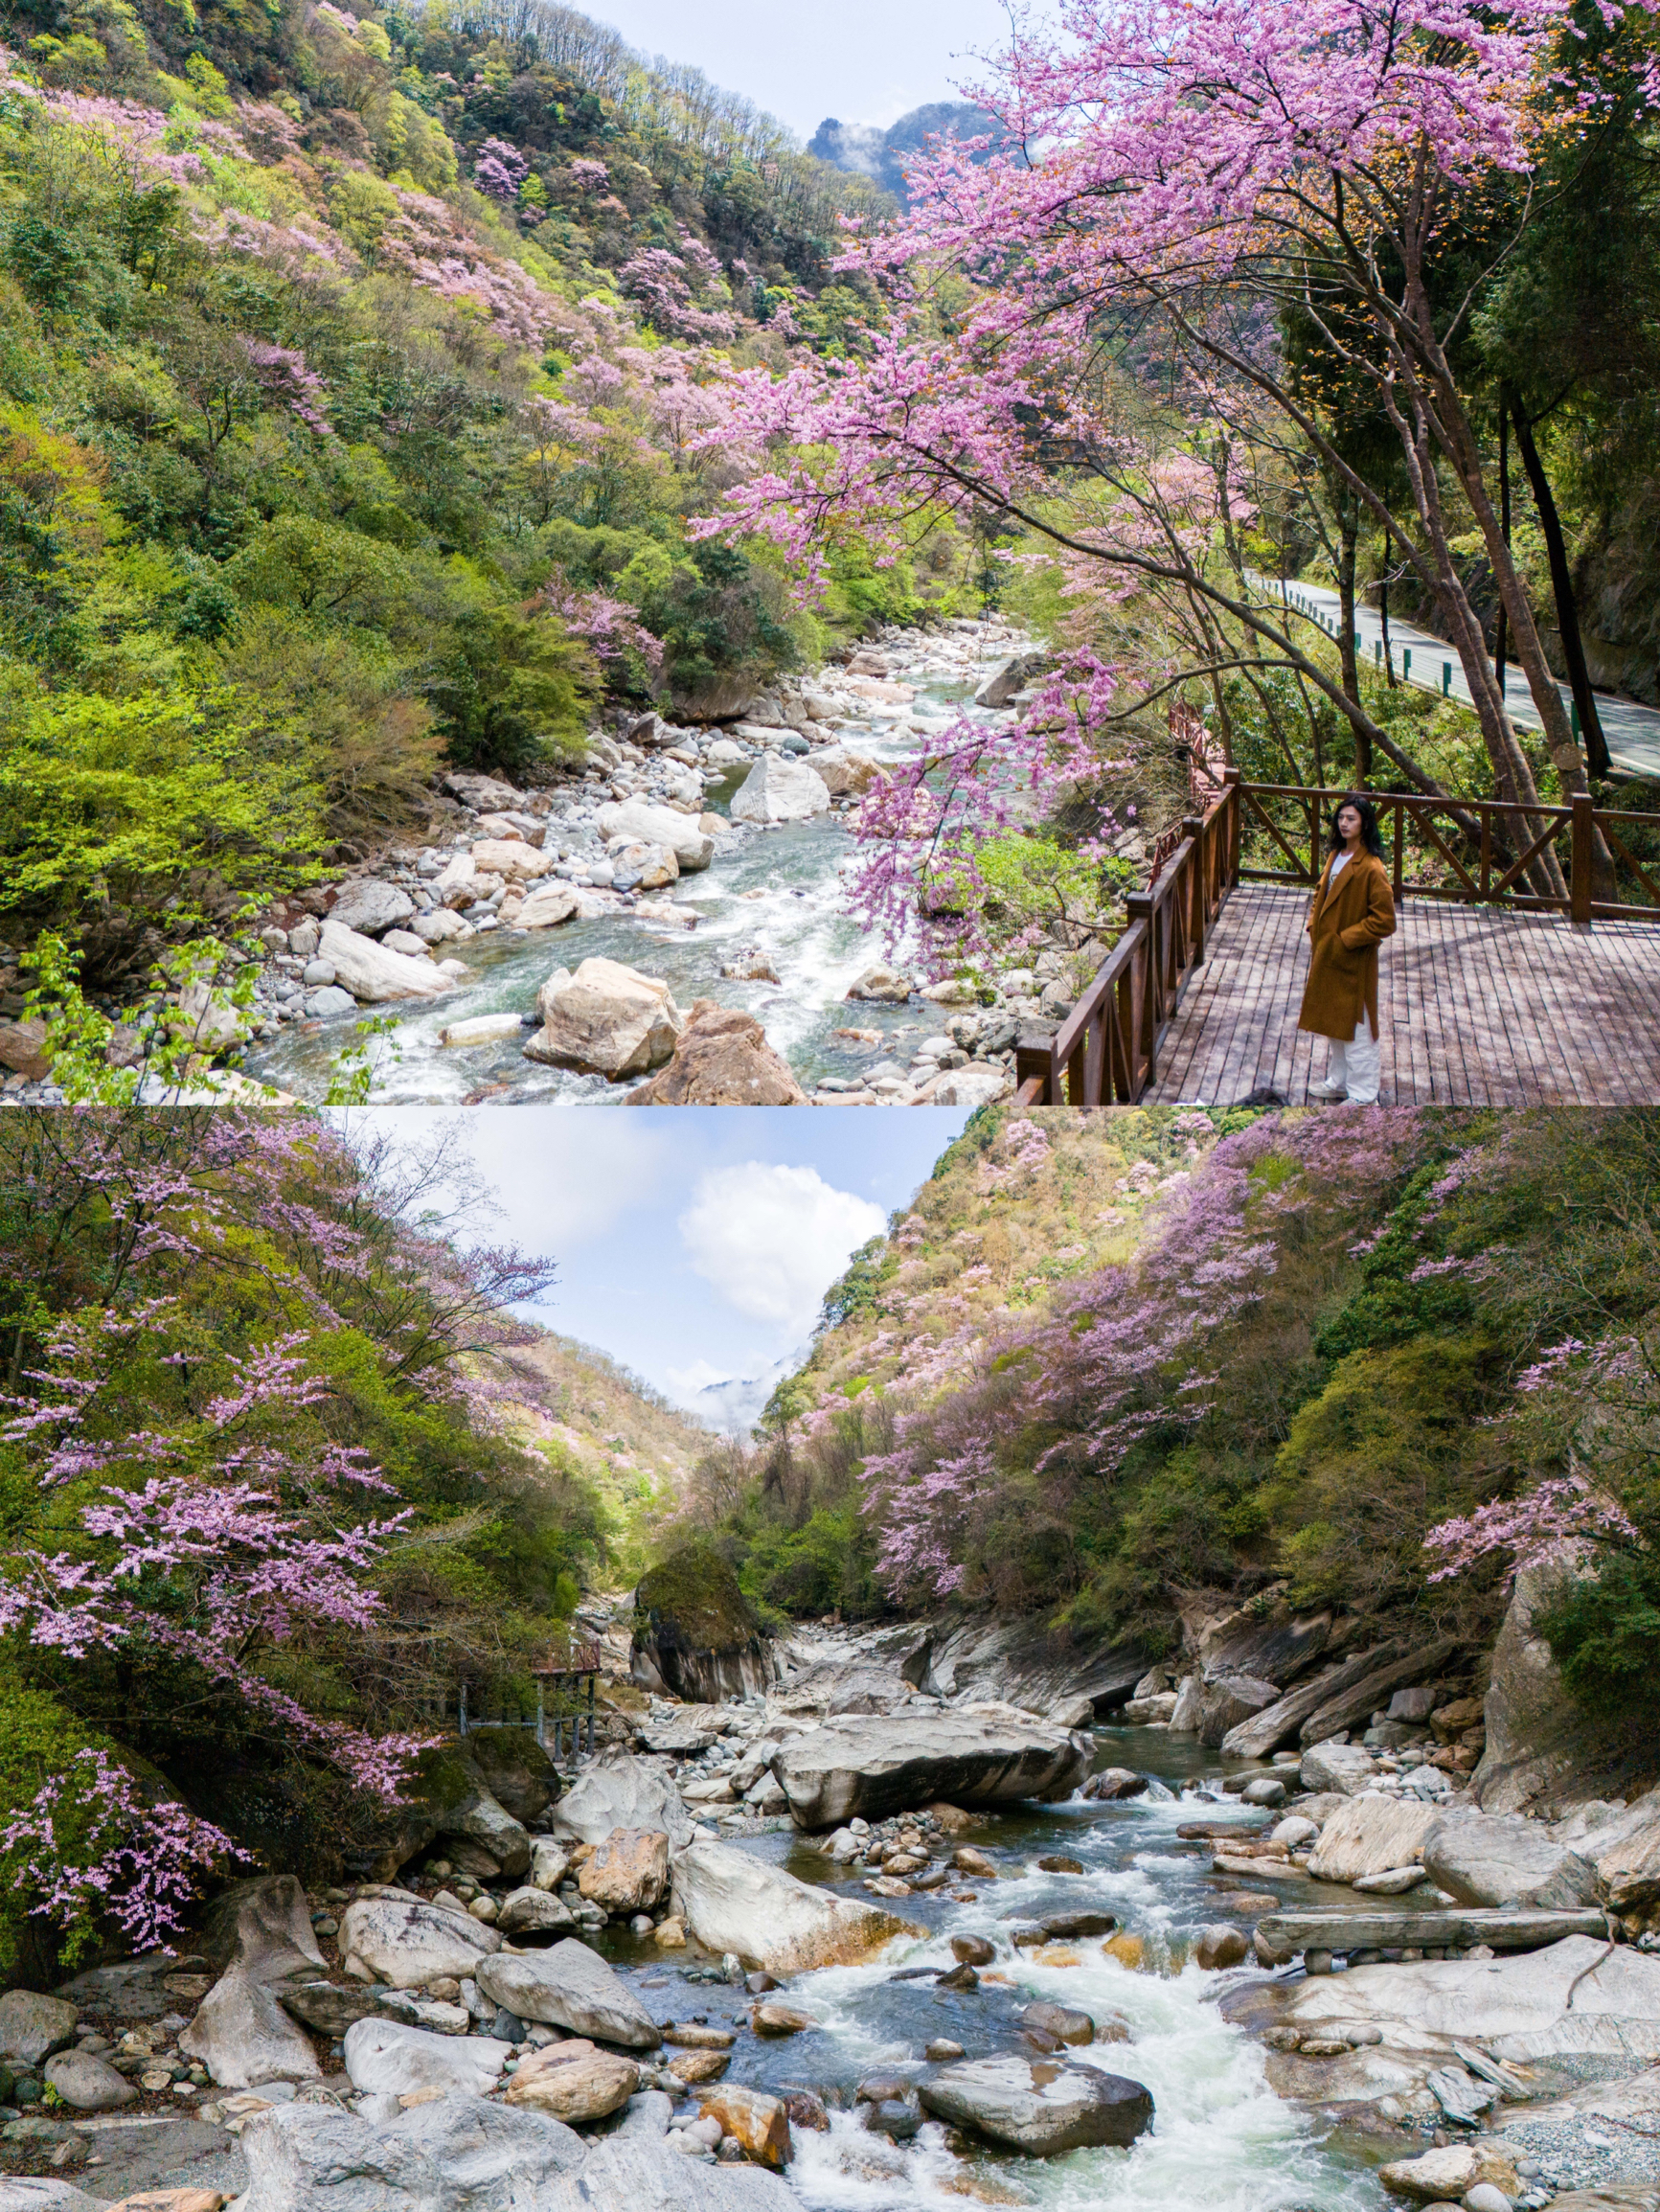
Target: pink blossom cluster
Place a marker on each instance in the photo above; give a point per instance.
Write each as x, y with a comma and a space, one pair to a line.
499, 169
610, 625
90, 1840
669, 286
1553, 1517
283, 372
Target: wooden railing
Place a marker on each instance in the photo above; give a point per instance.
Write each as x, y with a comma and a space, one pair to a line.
1105, 1052
1486, 848
1106, 1049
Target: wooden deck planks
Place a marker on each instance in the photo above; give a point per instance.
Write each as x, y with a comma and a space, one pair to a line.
1478, 1007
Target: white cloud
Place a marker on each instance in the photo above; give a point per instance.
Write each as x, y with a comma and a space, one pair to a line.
564, 1178
772, 1240
683, 1383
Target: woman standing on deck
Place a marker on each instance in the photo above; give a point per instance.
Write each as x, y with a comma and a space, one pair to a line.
1353, 912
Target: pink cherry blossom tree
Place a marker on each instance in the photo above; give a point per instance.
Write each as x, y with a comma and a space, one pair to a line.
1169, 178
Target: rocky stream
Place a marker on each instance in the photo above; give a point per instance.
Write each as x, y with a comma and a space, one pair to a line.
901, 1920
557, 943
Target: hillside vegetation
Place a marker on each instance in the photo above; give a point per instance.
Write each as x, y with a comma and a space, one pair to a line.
279, 1472
1110, 1369
353, 366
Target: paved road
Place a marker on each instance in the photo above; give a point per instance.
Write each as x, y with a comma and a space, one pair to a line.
1632, 731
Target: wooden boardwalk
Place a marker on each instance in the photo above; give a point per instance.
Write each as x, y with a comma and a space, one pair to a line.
1477, 1007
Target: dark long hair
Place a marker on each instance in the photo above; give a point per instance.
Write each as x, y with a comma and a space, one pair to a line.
1368, 814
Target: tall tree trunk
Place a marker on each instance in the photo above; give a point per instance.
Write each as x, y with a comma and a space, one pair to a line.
1348, 533
1504, 532
1562, 586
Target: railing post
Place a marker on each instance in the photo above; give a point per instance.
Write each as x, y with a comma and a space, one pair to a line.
1399, 850
1231, 779
1194, 829
541, 1729
1034, 1055
460, 1716
1579, 879
1141, 906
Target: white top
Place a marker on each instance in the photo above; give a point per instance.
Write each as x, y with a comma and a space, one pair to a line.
1337, 867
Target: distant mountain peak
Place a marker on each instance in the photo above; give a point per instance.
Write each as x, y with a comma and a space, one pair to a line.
881, 155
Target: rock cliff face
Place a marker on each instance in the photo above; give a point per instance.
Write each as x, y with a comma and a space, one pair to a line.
695, 1634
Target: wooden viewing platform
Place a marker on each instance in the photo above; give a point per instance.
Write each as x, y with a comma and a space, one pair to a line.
1488, 995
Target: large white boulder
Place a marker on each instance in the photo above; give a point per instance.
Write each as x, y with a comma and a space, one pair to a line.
607, 1019
619, 1791
1493, 1858
569, 1985
1624, 1840
407, 1941
878, 1766
638, 821
731, 1900
372, 973
779, 789
1372, 1834
244, 2036
1515, 2005
454, 2154
388, 2056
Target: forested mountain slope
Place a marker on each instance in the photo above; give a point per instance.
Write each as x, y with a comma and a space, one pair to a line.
351, 371
279, 1470
1119, 1372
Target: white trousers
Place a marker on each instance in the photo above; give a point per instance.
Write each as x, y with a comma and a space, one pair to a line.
1355, 1064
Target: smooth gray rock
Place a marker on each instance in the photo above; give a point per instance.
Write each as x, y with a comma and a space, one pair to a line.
243, 2037
263, 1926
371, 972
453, 2155
407, 1942
31, 2026
1228, 1700
780, 790
326, 2007
633, 2173
385, 2057
1189, 1709
534, 1912
479, 1819
372, 907
33, 2192
1537, 1745
87, 2082
1040, 2106
1490, 1859
569, 1985
1354, 1705
135, 1989
1341, 1769
893, 1763
1277, 1725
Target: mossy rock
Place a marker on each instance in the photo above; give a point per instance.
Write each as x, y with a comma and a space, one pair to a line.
695, 1630
517, 1772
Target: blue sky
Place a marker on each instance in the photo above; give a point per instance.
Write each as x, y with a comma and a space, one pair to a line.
692, 1243
860, 60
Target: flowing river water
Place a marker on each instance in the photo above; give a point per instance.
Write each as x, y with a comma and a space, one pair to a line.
780, 891
1221, 2140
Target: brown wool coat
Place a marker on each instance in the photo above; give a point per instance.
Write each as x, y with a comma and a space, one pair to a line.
1348, 921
